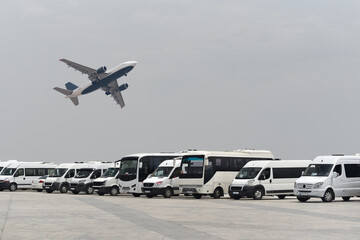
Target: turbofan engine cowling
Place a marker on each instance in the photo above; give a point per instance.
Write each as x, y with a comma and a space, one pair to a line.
101, 70
123, 87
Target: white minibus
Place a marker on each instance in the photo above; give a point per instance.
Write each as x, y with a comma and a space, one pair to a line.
328, 177
59, 180
274, 178
164, 180
135, 168
211, 173
83, 180
108, 182
19, 175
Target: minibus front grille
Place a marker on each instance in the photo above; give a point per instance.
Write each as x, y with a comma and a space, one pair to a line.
98, 183
73, 184
148, 184
48, 183
304, 186
236, 188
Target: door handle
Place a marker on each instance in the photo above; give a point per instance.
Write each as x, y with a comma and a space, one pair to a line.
270, 180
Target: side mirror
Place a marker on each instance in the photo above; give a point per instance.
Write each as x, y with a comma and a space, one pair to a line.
335, 174
302, 173
149, 176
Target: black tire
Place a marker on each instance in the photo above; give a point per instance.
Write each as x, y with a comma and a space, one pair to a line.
148, 195
13, 187
75, 192
346, 198
328, 196
187, 194
258, 194
1, 190
114, 191
217, 193
39, 190
89, 189
49, 191
64, 189
237, 197
281, 196
100, 193
168, 192
302, 199
197, 196
136, 194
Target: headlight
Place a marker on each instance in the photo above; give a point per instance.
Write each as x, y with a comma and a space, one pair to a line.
317, 185
6, 180
250, 182
158, 183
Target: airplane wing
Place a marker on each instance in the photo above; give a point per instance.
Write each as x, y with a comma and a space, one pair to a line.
113, 88
92, 75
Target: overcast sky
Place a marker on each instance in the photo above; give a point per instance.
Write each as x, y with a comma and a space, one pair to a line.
213, 75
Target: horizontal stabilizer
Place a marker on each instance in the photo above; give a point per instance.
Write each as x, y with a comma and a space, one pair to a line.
70, 86
63, 91
75, 100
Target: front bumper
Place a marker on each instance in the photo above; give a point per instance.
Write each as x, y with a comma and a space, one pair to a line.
152, 190
102, 189
4, 185
55, 186
241, 191
309, 192
79, 187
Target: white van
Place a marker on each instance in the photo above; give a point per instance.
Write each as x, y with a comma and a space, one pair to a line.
59, 180
108, 182
328, 177
274, 178
83, 180
19, 175
164, 180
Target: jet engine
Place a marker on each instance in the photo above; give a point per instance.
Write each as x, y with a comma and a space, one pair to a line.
123, 87
101, 70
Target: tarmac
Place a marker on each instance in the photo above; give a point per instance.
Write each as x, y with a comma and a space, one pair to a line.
33, 215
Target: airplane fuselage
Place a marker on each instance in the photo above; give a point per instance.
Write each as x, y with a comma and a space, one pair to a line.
113, 75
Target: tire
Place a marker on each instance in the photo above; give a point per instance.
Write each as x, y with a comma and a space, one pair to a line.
258, 194
148, 195
13, 187
217, 193
236, 197
197, 196
39, 190
100, 193
49, 191
1, 190
64, 188
89, 190
114, 191
346, 198
168, 192
75, 192
136, 194
328, 196
281, 196
302, 199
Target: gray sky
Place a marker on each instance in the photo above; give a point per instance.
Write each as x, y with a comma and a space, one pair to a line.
214, 75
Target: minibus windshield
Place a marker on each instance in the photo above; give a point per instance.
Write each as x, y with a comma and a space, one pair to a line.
84, 173
58, 172
128, 168
318, 170
162, 172
192, 166
248, 173
9, 171
110, 172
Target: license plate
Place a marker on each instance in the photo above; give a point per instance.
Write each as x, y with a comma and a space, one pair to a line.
147, 191
189, 192
235, 192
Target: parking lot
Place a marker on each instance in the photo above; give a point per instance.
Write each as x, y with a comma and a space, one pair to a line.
33, 215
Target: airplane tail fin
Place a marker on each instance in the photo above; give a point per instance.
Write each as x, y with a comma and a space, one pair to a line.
67, 92
70, 86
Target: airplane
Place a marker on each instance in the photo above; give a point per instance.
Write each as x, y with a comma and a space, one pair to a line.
100, 78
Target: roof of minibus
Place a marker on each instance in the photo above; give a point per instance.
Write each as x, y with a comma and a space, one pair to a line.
334, 158
72, 165
278, 163
235, 153
153, 154
32, 164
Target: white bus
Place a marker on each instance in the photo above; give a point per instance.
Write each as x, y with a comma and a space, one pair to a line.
274, 178
135, 168
19, 175
328, 177
211, 173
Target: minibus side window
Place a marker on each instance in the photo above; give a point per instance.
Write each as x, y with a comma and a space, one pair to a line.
19, 172
337, 169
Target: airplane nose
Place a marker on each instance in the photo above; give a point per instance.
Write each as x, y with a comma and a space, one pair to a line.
132, 63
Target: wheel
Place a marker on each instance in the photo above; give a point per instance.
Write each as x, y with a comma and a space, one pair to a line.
13, 187
114, 191
168, 192
346, 198
217, 193
237, 197
100, 193
1, 190
328, 196
197, 196
258, 194
64, 189
187, 194
302, 199
136, 194
281, 196
148, 195
75, 192
49, 191
39, 190
89, 190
